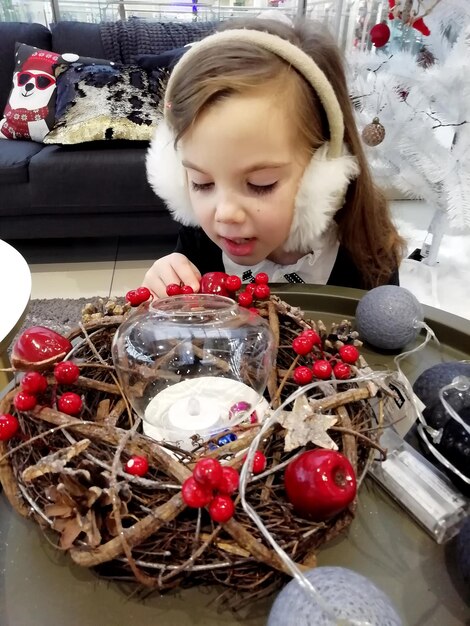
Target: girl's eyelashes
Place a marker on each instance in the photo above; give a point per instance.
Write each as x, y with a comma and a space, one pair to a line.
201, 186
261, 190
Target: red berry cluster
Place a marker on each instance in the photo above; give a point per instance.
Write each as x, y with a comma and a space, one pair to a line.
224, 284
212, 485
258, 290
34, 384
137, 296
323, 365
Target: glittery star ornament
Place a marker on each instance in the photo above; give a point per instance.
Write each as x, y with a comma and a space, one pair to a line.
303, 426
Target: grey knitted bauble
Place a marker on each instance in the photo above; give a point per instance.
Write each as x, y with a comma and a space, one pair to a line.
350, 596
386, 317
429, 383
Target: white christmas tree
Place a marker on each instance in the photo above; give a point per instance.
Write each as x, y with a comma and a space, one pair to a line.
419, 89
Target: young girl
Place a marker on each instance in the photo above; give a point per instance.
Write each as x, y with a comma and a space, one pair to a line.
259, 158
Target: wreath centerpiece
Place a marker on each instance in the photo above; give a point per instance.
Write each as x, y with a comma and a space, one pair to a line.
111, 496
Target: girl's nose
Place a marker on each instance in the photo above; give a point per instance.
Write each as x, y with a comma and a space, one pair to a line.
229, 210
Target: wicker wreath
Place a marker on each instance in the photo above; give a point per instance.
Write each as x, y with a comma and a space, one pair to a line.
67, 473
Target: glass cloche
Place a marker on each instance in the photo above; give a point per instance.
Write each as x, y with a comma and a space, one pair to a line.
194, 364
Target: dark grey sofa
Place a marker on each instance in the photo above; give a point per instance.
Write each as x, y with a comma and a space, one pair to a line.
88, 190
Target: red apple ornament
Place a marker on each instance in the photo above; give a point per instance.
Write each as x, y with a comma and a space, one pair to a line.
214, 282
320, 484
37, 348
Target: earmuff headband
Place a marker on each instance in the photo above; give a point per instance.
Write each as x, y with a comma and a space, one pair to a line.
293, 55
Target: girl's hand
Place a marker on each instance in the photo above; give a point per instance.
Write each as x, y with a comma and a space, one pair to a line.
173, 268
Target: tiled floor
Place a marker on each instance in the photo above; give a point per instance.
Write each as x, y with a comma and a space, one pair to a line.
86, 268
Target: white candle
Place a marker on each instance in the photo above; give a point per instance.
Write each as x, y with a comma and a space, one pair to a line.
194, 413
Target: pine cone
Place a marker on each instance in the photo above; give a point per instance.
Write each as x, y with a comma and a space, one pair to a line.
373, 134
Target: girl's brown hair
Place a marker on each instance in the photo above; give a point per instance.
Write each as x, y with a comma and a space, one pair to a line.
364, 225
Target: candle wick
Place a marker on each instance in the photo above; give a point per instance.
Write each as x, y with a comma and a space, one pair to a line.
194, 408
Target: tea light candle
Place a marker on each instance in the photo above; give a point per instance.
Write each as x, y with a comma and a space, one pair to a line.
198, 406
194, 413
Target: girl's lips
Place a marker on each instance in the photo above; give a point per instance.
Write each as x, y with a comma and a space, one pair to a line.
239, 247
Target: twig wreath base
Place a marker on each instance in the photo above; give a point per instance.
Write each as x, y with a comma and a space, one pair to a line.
67, 474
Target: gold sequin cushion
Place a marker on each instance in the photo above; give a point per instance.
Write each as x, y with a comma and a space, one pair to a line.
103, 102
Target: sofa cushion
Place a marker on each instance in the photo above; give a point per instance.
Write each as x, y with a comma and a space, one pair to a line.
100, 102
29, 112
79, 37
11, 32
14, 160
96, 177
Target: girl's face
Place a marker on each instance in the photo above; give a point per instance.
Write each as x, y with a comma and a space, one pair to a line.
244, 164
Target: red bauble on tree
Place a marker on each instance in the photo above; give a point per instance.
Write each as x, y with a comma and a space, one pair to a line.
380, 35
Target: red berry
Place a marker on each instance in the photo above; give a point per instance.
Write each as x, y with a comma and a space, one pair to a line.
24, 401
133, 297
312, 335
66, 373
187, 289
137, 466
8, 426
208, 473
250, 288
245, 299
259, 462
70, 403
342, 371
303, 375
173, 290
143, 293
349, 354
262, 291
34, 382
302, 345
322, 369
233, 283
195, 495
261, 278
253, 310
221, 509
229, 482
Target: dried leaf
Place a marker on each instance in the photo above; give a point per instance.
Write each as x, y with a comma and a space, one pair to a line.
303, 426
